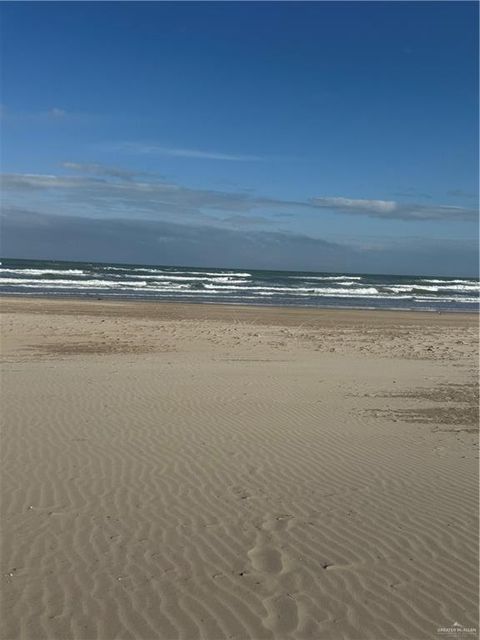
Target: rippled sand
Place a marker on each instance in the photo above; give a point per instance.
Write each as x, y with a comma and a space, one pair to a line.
195, 471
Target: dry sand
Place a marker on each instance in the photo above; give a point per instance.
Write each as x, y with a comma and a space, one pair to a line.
194, 471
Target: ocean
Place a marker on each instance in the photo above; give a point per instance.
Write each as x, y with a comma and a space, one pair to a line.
237, 286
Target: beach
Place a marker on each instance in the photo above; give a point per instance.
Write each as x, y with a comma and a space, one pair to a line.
205, 471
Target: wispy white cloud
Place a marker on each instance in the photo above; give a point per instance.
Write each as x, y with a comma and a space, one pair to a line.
178, 152
97, 169
391, 209
348, 204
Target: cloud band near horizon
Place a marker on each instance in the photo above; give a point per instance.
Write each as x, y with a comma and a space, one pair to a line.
113, 189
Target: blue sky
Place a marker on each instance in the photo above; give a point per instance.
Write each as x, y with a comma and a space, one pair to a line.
243, 132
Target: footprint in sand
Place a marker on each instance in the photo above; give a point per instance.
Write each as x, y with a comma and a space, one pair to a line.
282, 615
264, 556
267, 558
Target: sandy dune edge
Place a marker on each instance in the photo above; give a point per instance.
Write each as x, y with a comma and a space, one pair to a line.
196, 471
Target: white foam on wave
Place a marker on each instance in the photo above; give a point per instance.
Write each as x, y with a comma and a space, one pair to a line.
43, 283
468, 299
293, 290
323, 294
172, 278
460, 287
66, 287
167, 272
40, 272
75, 284
425, 287
217, 273
449, 282
341, 278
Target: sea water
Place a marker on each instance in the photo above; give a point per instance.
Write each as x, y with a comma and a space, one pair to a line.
240, 286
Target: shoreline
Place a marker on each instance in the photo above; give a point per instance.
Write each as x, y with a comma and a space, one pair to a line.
269, 309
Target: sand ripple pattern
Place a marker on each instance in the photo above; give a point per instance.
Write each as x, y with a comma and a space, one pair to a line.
172, 495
